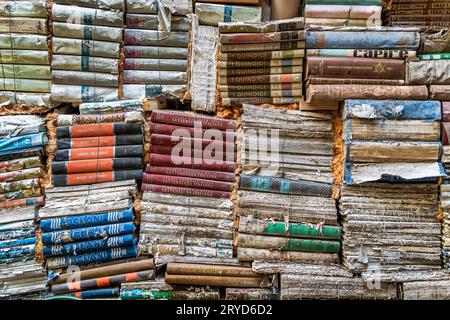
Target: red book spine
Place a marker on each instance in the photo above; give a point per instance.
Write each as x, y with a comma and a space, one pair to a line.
193, 173
220, 155
188, 120
446, 111
185, 191
445, 132
193, 163
166, 140
187, 182
168, 129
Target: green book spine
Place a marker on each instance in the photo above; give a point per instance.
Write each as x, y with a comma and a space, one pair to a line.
435, 56
302, 230
311, 246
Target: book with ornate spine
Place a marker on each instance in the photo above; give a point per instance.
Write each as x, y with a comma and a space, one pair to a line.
100, 129
262, 55
261, 79
294, 86
382, 82
362, 53
193, 192
192, 163
262, 37
189, 120
187, 182
102, 141
261, 94
265, 46
99, 153
264, 27
96, 165
235, 102
193, 173
260, 71
94, 177
260, 63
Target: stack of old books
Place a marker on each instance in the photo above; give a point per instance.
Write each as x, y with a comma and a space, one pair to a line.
324, 282
156, 49
188, 183
25, 79
97, 148
214, 12
261, 63
22, 139
291, 220
360, 63
389, 201
445, 186
423, 13
362, 13
89, 228
86, 50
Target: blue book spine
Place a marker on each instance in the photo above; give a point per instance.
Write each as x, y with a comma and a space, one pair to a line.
14, 252
362, 39
87, 220
21, 142
87, 246
17, 242
16, 234
393, 109
90, 233
91, 257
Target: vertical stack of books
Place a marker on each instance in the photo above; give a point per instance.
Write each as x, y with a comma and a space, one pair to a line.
86, 50
25, 78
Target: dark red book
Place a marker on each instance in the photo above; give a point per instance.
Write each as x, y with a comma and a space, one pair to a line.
187, 182
189, 119
193, 173
168, 129
185, 191
193, 163
173, 140
220, 155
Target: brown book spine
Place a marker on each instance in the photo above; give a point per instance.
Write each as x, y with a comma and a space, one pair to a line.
229, 102
261, 87
189, 120
260, 63
173, 140
261, 94
446, 111
388, 82
261, 55
362, 68
190, 152
167, 129
262, 37
250, 47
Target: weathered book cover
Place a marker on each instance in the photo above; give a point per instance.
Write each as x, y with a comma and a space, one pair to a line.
151, 22
156, 38
81, 47
261, 79
295, 86
96, 130
189, 162
189, 120
267, 46
185, 191
236, 102
188, 182
262, 37
213, 14
261, 94
87, 32
381, 82
154, 52
342, 67
342, 11
64, 13
260, 71
429, 72
154, 77
260, 63
262, 27
155, 64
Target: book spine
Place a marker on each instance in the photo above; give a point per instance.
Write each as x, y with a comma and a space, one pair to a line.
270, 26
261, 94
363, 40
387, 82
21, 142
20, 164
190, 152
436, 56
151, 22
95, 293
22, 202
89, 233
277, 185
167, 129
230, 102
261, 87
361, 53
445, 111
192, 173
260, 63
19, 185
22, 174
419, 4
155, 52
192, 163
96, 165
185, 191
101, 129
101, 141
91, 257
445, 133
262, 79
99, 153
346, 2
155, 64
80, 119
269, 46
156, 38
94, 177
189, 120
262, 37
154, 77
174, 140
75, 222
21, 194
262, 55
333, 93
87, 246
336, 67
342, 11
260, 71
439, 11
115, 280
187, 182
